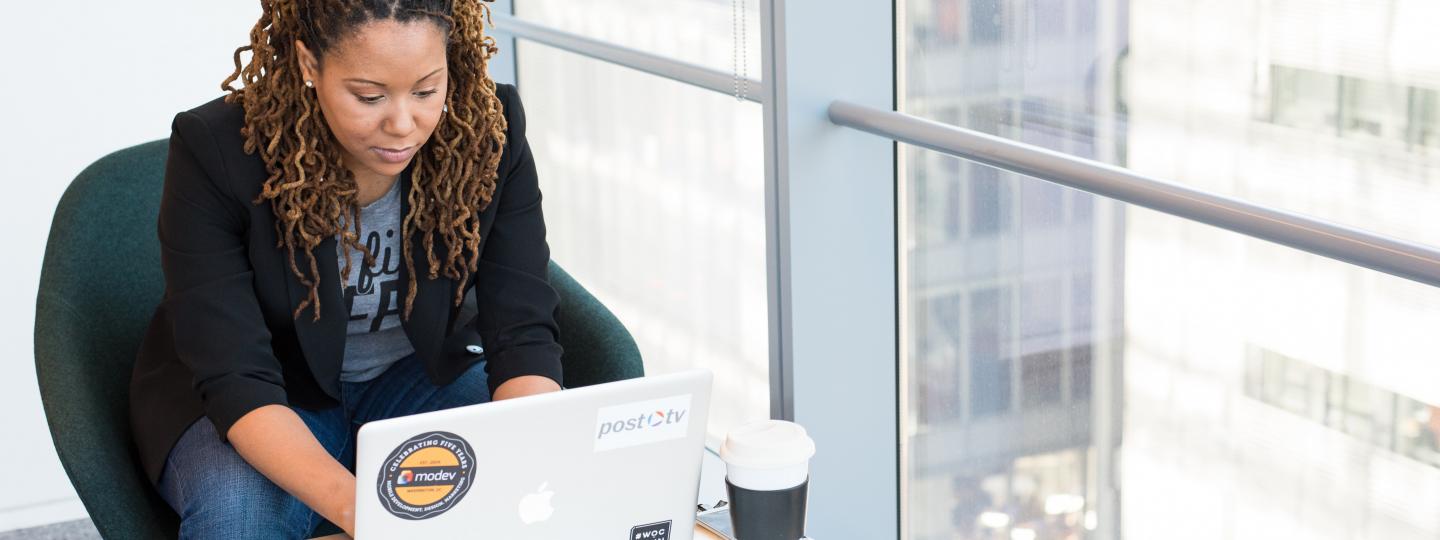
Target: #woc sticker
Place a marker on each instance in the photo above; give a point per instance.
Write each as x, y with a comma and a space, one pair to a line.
426, 475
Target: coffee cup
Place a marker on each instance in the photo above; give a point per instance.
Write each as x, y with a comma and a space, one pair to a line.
767, 477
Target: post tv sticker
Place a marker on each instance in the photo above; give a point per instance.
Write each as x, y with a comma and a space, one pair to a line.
642, 422
426, 475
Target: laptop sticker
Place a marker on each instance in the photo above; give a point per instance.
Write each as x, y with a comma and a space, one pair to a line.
426, 475
642, 422
651, 531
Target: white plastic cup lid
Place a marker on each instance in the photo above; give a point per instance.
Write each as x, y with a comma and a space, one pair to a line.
767, 444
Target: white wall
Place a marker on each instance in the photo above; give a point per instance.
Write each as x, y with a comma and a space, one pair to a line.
81, 79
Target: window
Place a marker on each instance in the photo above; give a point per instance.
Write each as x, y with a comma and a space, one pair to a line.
695, 31
1424, 117
1305, 99
654, 201
1128, 374
989, 352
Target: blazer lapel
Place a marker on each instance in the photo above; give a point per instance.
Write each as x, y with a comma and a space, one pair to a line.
323, 341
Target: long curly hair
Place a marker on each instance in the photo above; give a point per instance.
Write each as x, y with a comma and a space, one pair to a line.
454, 173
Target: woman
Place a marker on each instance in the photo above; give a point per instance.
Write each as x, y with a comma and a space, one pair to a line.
319, 229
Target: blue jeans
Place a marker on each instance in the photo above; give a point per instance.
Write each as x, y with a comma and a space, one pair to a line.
219, 495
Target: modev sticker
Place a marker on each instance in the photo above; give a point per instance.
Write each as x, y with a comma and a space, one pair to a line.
426, 475
642, 422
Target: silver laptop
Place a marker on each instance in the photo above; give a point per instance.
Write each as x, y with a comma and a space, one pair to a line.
615, 461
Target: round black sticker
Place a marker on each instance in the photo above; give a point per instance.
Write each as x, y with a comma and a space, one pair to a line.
426, 475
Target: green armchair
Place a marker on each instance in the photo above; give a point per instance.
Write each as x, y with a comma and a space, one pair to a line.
99, 285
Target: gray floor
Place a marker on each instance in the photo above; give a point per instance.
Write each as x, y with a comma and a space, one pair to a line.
80, 529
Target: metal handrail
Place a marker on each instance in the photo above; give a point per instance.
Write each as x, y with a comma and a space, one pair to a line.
1386, 254
654, 64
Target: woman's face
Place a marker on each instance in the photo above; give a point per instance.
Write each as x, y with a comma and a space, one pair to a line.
381, 90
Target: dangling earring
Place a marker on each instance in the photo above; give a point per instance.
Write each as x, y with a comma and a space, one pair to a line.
309, 83
445, 108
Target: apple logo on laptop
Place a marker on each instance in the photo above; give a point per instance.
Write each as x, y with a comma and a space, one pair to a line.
536, 506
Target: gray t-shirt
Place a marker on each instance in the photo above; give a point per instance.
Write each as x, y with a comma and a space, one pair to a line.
375, 296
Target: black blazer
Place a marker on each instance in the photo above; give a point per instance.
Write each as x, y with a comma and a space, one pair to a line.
223, 341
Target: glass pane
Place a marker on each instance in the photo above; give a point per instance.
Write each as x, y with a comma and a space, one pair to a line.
1260, 392
702, 32
999, 356
654, 201
1244, 98
1077, 368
